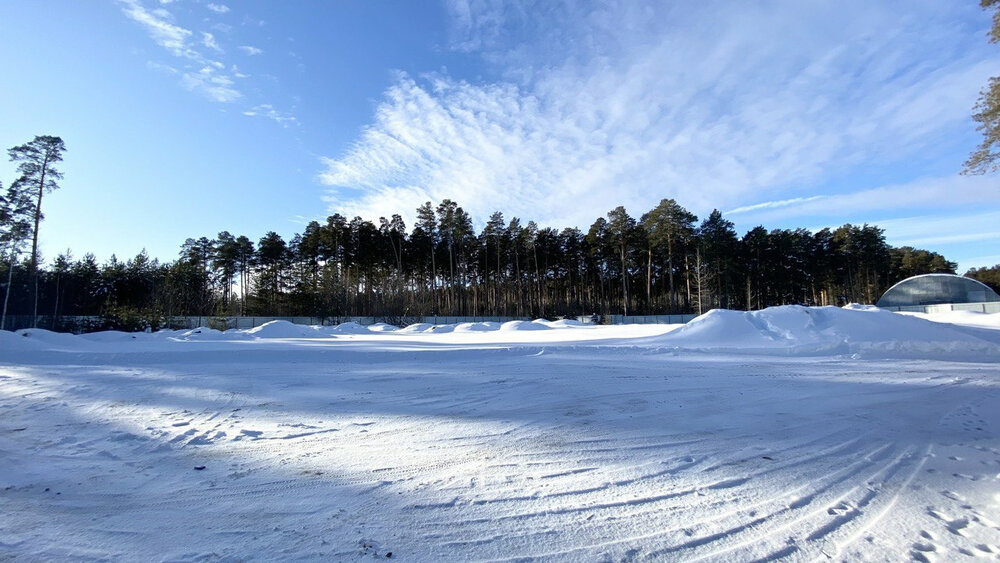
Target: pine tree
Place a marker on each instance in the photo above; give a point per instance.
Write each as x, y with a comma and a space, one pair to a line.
38, 175
670, 228
986, 158
621, 228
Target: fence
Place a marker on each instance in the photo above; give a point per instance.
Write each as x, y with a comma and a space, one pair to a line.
89, 323
70, 323
649, 319
987, 307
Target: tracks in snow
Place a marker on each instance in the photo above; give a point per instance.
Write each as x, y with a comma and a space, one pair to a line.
559, 459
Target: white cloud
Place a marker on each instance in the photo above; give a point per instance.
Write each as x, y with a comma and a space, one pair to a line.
714, 107
210, 83
208, 40
268, 111
165, 34
250, 50
166, 69
199, 72
940, 230
773, 204
925, 193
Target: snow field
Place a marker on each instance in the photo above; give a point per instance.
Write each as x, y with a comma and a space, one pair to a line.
581, 443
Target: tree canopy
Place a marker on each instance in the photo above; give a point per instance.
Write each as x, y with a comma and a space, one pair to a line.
986, 157
665, 262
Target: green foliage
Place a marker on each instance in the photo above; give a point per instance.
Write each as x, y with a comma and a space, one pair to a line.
989, 276
986, 157
663, 263
37, 176
130, 319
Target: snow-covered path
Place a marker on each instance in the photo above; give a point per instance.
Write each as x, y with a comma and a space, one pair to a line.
342, 450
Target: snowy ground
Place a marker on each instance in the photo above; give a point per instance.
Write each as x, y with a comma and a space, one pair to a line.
792, 433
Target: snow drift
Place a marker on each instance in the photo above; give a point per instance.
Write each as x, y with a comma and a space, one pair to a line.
817, 331
346, 328
283, 329
523, 325
860, 331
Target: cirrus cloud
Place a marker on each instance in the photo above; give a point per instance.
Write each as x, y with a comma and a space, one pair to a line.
715, 105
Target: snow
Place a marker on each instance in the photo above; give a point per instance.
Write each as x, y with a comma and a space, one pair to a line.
799, 433
817, 331
523, 325
348, 328
283, 329
964, 318
477, 327
417, 327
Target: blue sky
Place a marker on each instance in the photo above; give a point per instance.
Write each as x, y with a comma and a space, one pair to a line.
183, 118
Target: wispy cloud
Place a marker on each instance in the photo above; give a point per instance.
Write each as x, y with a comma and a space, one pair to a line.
164, 33
250, 50
268, 111
940, 230
203, 69
605, 105
944, 192
208, 40
773, 204
216, 86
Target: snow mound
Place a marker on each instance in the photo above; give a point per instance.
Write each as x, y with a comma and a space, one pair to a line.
477, 327
113, 336
562, 323
18, 341
428, 327
39, 338
348, 328
383, 327
523, 325
282, 329
816, 331
967, 318
200, 333
417, 327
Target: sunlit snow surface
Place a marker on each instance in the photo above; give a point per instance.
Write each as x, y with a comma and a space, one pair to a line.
790, 433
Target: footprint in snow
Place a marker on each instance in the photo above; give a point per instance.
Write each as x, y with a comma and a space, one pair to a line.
953, 525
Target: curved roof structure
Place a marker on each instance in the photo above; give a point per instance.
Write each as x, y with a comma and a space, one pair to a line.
934, 289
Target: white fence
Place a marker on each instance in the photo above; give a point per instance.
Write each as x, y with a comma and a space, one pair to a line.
988, 307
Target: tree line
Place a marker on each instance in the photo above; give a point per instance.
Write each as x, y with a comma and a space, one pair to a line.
665, 261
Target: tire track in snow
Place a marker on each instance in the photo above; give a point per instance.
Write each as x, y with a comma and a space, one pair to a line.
840, 475
810, 544
609, 486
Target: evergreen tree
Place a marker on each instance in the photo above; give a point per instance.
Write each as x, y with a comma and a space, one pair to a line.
670, 229
717, 246
622, 231
986, 157
16, 209
989, 276
425, 235
38, 175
